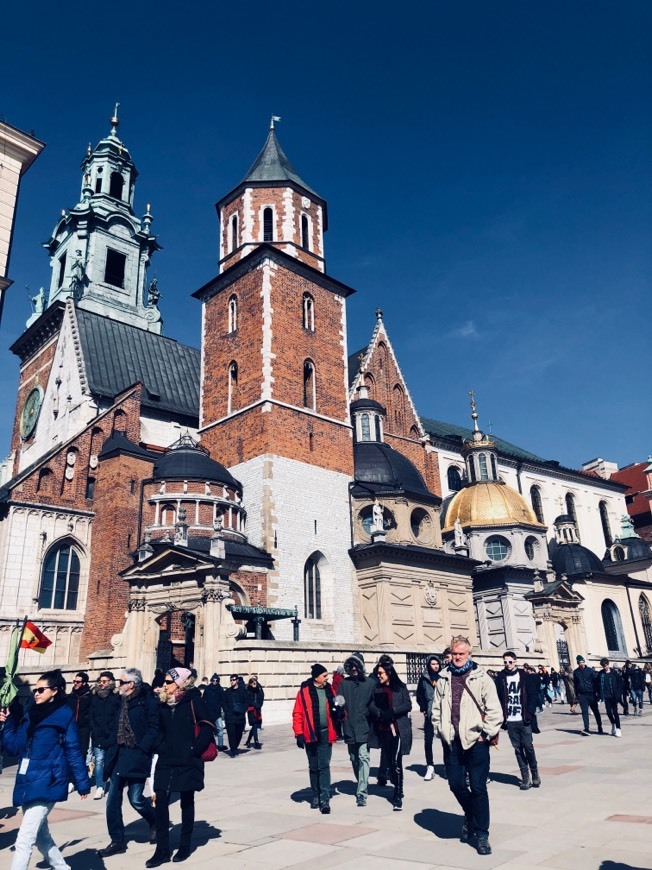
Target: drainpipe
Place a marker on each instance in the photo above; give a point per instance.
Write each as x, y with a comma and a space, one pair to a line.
631, 610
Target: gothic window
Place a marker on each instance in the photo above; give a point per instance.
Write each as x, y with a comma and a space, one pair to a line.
606, 528
120, 421
646, 621
233, 387
233, 313
114, 271
365, 428
45, 482
60, 579
382, 356
268, 225
482, 460
414, 433
570, 510
613, 627
234, 233
62, 269
537, 504
454, 479
312, 588
309, 391
116, 184
90, 487
399, 406
370, 384
308, 312
305, 233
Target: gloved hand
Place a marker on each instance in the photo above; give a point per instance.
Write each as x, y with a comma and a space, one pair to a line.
386, 716
301, 742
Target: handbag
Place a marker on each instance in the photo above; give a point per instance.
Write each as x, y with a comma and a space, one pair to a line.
494, 740
210, 753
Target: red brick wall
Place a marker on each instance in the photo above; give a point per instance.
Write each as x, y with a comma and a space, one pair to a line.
250, 581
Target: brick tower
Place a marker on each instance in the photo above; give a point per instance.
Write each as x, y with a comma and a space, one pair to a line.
274, 403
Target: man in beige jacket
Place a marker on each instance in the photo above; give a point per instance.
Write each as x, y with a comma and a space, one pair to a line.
466, 715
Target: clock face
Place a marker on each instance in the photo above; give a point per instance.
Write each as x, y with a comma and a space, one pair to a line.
30, 413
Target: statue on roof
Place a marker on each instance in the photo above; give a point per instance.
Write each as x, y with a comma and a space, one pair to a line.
626, 528
378, 518
153, 293
77, 276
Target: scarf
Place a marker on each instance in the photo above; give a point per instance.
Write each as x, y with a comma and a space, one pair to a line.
104, 691
38, 712
173, 700
126, 736
458, 672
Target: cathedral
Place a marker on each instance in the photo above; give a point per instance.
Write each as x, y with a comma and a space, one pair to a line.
271, 498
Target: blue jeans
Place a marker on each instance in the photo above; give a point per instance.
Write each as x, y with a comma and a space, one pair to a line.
140, 803
474, 798
636, 697
98, 755
219, 727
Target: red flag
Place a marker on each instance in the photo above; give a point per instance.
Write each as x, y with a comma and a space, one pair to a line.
33, 638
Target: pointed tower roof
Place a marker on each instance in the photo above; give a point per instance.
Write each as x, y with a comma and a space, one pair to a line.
272, 164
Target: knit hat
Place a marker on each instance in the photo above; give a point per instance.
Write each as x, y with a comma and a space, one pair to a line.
359, 655
579, 659
179, 675
317, 670
108, 675
354, 659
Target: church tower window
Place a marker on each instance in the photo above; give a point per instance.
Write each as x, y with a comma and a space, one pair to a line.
60, 580
482, 460
572, 513
234, 232
312, 588
454, 479
308, 312
233, 387
268, 225
114, 271
116, 185
309, 386
613, 627
606, 527
62, 269
305, 233
233, 313
537, 504
365, 429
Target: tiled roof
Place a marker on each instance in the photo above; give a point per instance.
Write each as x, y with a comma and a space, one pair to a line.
116, 355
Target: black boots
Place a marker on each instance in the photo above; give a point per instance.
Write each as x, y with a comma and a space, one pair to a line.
161, 856
536, 779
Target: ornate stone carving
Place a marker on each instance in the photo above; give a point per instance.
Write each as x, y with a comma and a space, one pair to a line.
137, 604
215, 594
430, 594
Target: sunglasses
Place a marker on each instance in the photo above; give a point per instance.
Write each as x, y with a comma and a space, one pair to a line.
125, 682
76, 682
40, 689
168, 682
509, 661
233, 680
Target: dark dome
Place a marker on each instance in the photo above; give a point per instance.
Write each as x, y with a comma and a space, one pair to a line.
563, 518
185, 460
635, 549
382, 467
574, 559
367, 405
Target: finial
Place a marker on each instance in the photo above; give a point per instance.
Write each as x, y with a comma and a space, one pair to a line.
63, 212
89, 150
379, 313
114, 120
361, 361
276, 118
474, 413
148, 208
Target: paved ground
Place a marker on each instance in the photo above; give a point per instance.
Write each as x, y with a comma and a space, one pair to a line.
593, 811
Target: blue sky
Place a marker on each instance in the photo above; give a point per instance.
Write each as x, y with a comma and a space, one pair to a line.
487, 168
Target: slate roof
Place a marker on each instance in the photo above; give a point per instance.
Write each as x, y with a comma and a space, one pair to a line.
272, 164
116, 355
461, 433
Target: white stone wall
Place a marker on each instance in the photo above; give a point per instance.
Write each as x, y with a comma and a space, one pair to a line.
162, 433
284, 499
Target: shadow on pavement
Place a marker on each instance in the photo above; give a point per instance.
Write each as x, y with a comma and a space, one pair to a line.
445, 826
88, 859
618, 865
504, 778
304, 795
576, 731
345, 786
203, 833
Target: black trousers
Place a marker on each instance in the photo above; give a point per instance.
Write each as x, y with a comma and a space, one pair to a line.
187, 800
234, 732
473, 798
611, 709
428, 737
520, 736
588, 702
390, 746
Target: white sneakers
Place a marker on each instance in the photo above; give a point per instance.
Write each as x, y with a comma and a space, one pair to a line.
71, 787
618, 733
99, 794
430, 773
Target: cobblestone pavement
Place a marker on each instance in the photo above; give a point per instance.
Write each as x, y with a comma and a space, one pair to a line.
589, 814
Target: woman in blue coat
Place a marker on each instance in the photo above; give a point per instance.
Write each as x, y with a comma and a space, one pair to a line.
46, 740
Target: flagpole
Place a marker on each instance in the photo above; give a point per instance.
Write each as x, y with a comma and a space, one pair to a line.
20, 640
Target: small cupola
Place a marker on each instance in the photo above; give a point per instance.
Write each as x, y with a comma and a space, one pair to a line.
367, 417
565, 530
479, 453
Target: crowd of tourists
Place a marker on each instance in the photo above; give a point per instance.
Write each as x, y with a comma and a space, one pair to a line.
124, 734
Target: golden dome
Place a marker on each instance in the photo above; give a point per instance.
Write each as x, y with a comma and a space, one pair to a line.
489, 503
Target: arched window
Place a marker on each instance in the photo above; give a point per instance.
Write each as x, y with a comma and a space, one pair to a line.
454, 478
268, 225
613, 627
537, 504
414, 433
312, 588
234, 233
482, 461
45, 482
60, 579
646, 621
305, 233
370, 384
233, 313
116, 184
365, 428
606, 528
309, 391
120, 421
619, 554
168, 515
398, 397
233, 387
308, 312
494, 469
570, 510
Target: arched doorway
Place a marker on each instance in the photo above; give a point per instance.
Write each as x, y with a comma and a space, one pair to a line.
561, 645
176, 643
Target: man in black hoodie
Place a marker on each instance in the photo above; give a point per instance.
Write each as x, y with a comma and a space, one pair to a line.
357, 690
425, 694
584, 679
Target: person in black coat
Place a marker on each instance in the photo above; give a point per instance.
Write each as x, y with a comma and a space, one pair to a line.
103, 712
585, 689
234, 704
392, 732
128, 759
79, 701
213, 697
610, 690
179, 767
425, 694
255, 701
518, 693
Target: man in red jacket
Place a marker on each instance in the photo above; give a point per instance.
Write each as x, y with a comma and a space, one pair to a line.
313, 719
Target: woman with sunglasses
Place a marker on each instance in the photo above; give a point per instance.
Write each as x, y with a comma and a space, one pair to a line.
392, 732
255, 699
179, 767
46, 740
